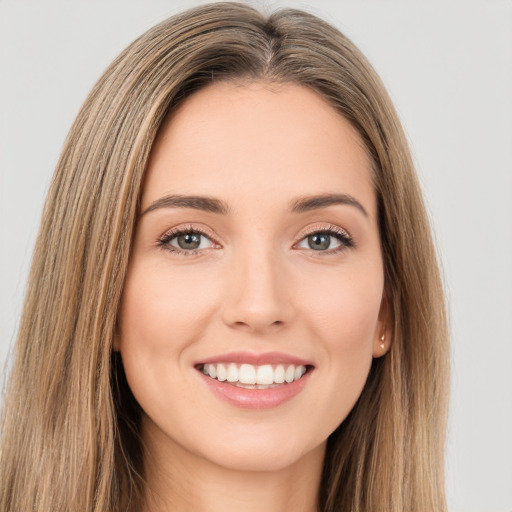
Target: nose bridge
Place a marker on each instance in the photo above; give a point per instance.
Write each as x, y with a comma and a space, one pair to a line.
257, 299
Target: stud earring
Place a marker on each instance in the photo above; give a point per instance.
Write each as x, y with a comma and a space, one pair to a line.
382, 338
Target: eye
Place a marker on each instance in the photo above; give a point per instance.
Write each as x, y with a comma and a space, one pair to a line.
186, 241
328, 240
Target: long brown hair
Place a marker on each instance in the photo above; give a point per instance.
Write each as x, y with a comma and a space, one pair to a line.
70, 430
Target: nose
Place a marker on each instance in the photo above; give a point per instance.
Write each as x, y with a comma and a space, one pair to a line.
258, 299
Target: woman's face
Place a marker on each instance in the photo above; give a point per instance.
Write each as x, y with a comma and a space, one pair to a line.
256, 258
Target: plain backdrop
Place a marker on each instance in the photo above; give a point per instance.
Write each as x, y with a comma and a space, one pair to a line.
448, 67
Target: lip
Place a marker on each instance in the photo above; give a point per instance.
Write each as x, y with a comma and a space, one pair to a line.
256, 399
255, 359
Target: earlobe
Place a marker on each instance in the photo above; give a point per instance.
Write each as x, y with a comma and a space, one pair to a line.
382, 341
381, 345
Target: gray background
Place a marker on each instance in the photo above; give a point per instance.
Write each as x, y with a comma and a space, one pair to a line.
448, 67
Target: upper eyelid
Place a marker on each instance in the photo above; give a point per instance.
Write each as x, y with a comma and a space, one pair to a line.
163, 241
323, 228
344, 238
209, 234
177, 230
330, 227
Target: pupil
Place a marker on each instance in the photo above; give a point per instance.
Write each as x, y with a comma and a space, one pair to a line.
319, 241
189, 241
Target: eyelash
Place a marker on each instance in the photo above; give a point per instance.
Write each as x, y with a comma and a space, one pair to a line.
340, 234
346, 241
164, 241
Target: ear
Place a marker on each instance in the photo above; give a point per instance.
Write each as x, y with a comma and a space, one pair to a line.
382, 341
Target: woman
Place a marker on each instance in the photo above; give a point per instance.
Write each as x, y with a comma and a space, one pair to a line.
234, 287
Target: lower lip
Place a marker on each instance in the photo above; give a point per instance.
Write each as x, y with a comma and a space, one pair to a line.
256, 398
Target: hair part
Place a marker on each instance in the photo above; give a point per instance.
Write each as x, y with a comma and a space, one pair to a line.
70, 430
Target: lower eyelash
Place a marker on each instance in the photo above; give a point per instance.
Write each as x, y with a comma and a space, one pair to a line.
339, 234
163, 241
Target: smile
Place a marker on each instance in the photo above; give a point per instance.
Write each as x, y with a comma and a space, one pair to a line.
255, 381
250, 376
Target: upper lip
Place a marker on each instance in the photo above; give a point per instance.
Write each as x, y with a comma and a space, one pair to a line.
255, 359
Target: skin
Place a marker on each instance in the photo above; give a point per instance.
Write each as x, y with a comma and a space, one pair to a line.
255, 285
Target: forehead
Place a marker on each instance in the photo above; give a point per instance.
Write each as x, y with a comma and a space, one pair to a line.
243, 141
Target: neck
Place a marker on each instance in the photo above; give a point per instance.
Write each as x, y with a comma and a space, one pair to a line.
179, 480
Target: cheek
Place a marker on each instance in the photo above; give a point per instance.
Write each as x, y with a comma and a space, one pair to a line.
344, 309
343, 321
158, 321
160, 312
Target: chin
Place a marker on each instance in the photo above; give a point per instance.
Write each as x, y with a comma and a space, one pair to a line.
263, 461
261, 451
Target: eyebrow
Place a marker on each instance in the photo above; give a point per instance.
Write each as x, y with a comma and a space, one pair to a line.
204, 203
305, 204
214, 205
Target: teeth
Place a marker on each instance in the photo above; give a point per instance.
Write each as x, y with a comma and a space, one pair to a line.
265, 374
232, 374
222, 373
279, 374
249, 375
298, 372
